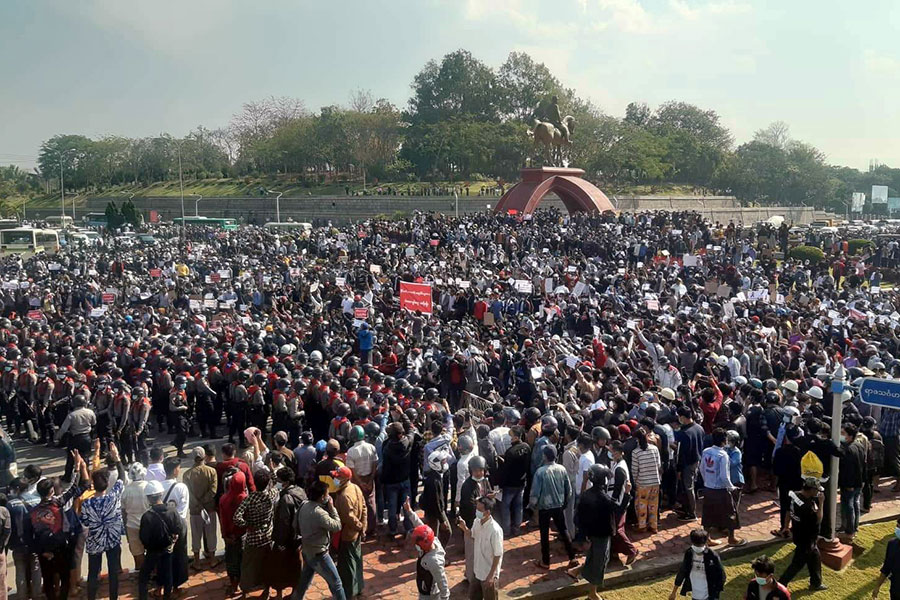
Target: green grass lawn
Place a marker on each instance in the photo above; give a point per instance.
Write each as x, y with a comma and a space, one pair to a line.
855, 582
250, 187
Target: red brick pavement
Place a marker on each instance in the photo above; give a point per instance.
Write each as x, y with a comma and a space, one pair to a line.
390, 566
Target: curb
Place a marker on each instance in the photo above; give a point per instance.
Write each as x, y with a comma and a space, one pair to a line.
564, 587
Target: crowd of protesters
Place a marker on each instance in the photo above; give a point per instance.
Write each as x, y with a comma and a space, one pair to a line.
591, 372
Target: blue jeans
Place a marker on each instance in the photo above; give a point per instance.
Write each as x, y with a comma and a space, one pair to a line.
324, 566
113, 565
511, 511
395, 494
850, 509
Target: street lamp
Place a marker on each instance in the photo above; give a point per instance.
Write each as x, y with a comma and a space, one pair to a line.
62, 188
277, 204
197, 204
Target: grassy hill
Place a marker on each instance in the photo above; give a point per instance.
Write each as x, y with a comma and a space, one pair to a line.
253, 187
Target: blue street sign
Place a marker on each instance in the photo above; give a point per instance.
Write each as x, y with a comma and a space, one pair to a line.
880, 392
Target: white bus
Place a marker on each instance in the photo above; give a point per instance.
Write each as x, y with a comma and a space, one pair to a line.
60, 222
289, 226
28, 241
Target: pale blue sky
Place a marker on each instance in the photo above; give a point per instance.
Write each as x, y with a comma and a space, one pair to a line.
830, 69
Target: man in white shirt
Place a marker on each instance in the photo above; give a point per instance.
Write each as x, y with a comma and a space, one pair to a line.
175, 493
155, 470
487, 539
363, 462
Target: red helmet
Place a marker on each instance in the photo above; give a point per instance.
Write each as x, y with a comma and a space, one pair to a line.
423, 537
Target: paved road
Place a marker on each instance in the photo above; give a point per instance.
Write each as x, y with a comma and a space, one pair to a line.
53, 462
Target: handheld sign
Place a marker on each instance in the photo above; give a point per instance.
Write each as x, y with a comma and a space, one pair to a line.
361, 313
880, 392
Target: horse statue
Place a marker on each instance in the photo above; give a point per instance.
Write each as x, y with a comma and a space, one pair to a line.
552, 139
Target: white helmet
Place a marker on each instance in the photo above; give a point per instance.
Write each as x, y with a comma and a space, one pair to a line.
791, 386
814, 392
315, 357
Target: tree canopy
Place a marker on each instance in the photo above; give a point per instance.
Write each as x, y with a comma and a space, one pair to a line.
466, 120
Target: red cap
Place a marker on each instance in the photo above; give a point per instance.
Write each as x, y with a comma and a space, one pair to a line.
342, 473
624, 430
423, 537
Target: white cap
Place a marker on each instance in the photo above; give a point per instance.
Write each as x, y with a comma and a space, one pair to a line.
153, 488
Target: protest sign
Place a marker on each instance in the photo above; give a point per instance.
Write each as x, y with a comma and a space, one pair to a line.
108, 298
156, 273
415, 296
361, 313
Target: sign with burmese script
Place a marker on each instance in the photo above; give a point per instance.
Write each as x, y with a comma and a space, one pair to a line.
415, 296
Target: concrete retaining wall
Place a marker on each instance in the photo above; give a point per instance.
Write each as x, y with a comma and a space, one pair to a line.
338, 209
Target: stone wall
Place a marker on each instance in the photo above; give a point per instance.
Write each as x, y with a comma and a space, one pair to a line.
338, 209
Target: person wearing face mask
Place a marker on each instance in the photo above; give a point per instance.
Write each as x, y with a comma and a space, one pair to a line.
701, 572
763, 586
719, 508
431, 577
474, 487
851, 475
201, 481
178, 408
318, 520
806, 515
550, 492
351, 507
487, 541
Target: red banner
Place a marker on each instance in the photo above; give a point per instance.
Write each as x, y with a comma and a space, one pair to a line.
415, 296
435, 242
108, 298
35, 315
155, 272
361, 313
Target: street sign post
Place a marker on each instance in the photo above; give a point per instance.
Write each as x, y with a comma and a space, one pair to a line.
880, 392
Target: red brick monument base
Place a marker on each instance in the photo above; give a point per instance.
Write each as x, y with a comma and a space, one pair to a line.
577, 194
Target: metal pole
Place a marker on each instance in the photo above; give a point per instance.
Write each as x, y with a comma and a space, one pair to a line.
278, 207
837, 390
197, 205
456, 198
181, 185
62, 189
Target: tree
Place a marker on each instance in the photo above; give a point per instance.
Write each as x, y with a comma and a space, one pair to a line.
638, 113
459, 87
374, 136
523, 84
777, 134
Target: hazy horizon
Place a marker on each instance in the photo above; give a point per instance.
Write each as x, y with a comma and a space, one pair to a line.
112, 67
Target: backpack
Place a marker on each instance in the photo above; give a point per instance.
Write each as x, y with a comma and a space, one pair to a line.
226, 477
49, 527
164, 538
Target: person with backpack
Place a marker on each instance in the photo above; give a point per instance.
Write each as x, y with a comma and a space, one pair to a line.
48, 533
101, 515
763, 586
431, 576
284, 560
160, 530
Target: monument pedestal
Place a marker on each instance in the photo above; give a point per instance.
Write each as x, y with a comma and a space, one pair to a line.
835, 555
578, 195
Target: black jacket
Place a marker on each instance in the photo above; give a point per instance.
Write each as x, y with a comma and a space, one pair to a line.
396, 457
469, 493
598, 513
715, 574
516, 464
432, 498
284, 533
852, 471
